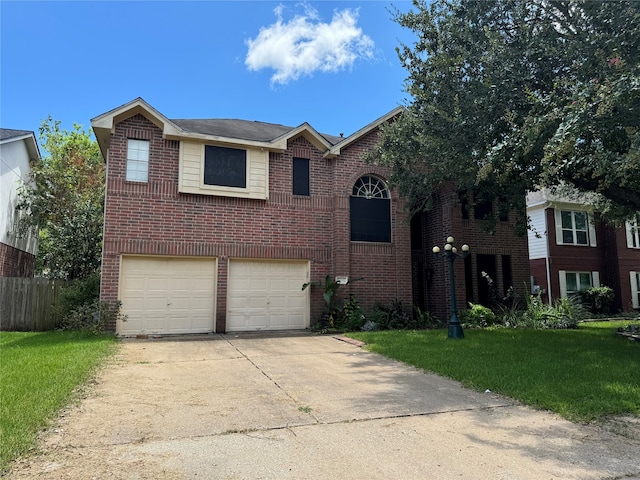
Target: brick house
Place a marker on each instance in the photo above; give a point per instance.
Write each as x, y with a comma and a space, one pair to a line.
17, 253
215, 225
571, 249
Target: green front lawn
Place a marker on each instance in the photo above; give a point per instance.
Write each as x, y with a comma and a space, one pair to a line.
582, 374
38, 375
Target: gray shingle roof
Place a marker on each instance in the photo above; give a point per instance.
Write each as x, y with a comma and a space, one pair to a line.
240, 129
7, 133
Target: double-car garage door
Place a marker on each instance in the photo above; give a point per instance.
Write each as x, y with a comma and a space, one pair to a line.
171, 295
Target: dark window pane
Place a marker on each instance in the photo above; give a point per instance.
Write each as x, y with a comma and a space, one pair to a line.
567, 236
225, 167
507, 278
581, 238
483, 209
370, 219
566, 219
416, 231
301, 176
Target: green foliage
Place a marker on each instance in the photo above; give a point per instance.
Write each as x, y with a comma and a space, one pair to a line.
477, 316
395, 317
79, 293
597, 299
64, 199
547, 369
39, 373
93, 318
353, 317
506, 97
332, 302
564, 313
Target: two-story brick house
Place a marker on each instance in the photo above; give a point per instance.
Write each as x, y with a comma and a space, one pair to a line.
215, 225
570, 249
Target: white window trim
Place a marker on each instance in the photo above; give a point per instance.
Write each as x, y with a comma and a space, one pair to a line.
140, 175
224, 188
562, 277
635, 298
591, 230
633, 234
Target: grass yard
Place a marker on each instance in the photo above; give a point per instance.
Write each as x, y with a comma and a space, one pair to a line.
39, 372
582, 374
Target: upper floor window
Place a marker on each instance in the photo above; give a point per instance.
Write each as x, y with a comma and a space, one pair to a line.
137, 160
301, 176
633, 233
225, 167
574, 228
370, 205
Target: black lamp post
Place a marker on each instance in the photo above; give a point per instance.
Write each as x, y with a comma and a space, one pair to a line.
450, 253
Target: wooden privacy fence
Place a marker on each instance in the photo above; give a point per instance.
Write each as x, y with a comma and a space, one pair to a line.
29, 304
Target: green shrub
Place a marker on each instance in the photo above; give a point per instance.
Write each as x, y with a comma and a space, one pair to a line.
394, 317
478, 316
352, 318
93, 317
425, 319
597, 299
80, 292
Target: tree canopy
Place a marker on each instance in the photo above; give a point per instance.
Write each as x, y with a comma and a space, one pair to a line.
510, 96
64, 200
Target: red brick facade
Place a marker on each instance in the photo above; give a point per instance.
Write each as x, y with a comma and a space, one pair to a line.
502, 250
15, 262
611, 258
153, 218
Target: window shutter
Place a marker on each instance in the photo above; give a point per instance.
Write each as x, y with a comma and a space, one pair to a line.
635, 301
592, 230
627, 225
562, 276
595, 279
558, 217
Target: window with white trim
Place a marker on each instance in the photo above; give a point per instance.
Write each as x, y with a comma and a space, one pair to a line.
370, 210
575, 227
633, 233
573, 282
635, 289
137, 160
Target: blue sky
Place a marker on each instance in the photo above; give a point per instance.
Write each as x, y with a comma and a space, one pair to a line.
332, 64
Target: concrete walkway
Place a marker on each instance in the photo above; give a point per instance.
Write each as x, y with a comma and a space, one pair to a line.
295, 406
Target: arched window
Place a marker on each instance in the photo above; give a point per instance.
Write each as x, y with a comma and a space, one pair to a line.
370, 210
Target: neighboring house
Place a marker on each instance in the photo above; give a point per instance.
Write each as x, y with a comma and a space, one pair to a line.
571, 250
17, 253
215, 225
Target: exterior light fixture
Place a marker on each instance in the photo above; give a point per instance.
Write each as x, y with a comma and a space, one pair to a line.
450, 254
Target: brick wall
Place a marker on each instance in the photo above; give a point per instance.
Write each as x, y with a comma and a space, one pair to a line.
445, 219
15, 262
153, 218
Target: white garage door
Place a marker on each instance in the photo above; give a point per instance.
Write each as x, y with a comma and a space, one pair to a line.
267, 295
167, 295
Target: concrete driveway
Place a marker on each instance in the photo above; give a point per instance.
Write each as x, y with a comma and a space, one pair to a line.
300, 406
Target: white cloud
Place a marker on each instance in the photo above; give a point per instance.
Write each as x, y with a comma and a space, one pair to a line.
305, 45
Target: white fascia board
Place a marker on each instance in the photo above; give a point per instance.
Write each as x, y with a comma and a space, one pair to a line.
204, 138
337, 148
308, 132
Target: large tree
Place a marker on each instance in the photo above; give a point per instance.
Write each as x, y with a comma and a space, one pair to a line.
512, 95
64, 200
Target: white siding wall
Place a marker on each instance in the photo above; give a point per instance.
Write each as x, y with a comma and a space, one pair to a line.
537, 246
14, 170
191, 174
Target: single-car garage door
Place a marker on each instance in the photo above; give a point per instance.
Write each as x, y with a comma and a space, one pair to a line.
267, 295
167, 295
